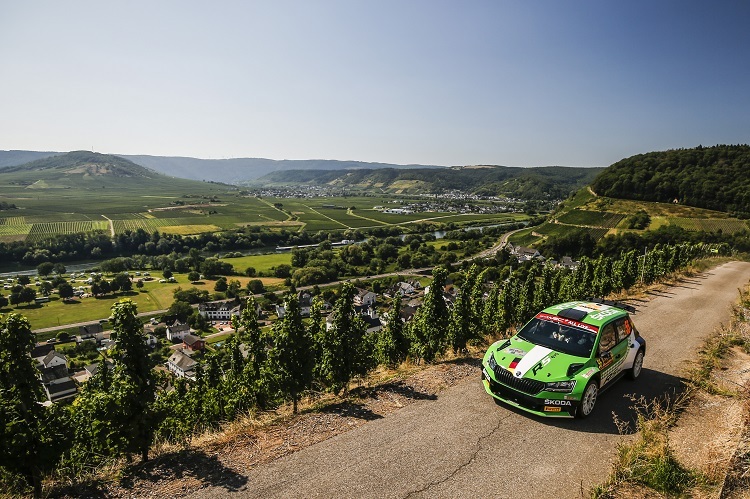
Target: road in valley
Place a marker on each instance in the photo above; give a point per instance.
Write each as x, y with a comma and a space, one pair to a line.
463, 445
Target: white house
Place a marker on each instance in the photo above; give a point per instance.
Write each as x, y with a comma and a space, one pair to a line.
404, 288
181, 365
305, 303
222, 310
525, 254
56, 379
177, 331
54, 359
364, 297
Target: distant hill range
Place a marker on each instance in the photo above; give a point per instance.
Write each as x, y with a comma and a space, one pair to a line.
717, 178
230, 171
550, 182
84, 169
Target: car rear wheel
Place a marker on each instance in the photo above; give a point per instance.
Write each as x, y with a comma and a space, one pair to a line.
588, 400
635, 371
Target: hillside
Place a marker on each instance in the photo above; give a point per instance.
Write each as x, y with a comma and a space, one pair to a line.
15, 158
231, 171
552, 182
240, 170
85, 170
585, 215
716, 178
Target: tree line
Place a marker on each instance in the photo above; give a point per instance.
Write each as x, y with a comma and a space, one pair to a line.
717, 178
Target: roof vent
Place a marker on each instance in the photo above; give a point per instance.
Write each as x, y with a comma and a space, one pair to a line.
573, 313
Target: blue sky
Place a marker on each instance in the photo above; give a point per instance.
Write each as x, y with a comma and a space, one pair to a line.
521, 83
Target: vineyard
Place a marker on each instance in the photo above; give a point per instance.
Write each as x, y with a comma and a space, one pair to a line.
592, 218
551, 229
12, 221
41, 231
725, 225
149, 224
187, 230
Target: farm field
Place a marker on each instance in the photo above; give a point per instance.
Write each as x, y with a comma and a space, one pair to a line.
261, 263
189, 208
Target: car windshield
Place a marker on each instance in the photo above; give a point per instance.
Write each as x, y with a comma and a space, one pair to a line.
560, 337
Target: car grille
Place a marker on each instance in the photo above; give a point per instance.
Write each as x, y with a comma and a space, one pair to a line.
530, 386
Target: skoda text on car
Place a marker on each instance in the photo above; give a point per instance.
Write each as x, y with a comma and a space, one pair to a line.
557, 364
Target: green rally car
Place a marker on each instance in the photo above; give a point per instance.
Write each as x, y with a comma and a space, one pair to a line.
557, 364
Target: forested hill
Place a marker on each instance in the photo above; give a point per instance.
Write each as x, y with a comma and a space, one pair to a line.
550, 182
716, 178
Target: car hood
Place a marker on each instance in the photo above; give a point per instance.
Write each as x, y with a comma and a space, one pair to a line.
527, 360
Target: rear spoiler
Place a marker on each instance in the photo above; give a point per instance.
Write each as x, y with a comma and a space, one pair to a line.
618, 304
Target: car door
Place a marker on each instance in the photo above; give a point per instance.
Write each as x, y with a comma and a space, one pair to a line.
613, 349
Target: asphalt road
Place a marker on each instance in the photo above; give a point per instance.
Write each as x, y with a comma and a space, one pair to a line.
464, 445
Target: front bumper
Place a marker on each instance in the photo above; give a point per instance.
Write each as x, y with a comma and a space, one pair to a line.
544, 404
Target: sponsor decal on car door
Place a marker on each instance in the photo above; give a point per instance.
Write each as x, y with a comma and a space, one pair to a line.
612, 353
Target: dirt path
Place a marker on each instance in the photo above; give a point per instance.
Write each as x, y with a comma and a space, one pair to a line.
460, 444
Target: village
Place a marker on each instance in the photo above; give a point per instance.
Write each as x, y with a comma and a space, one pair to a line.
62, 380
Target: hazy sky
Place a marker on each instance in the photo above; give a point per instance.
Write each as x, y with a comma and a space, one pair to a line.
518, 83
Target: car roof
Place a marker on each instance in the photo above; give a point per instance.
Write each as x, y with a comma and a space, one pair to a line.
589, 312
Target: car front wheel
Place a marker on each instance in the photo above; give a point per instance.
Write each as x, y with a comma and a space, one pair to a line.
588, 400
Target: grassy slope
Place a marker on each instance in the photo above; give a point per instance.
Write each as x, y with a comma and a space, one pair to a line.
602, 216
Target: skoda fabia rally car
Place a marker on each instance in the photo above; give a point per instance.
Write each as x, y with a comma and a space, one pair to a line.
557, 364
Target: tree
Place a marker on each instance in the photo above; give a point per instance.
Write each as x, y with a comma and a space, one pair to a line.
491, 312
343, 348
233, 288
292, 352
283, 271
392, 345
430, 324
221, 284
213, 267
123, 282
193, 276
255, 370
3, 301
167, 273
59, 268
24, 280
24, 438
139, 284
459, 330
45, 287
27, 294
45, 268
181, 310
255, 286
134, 367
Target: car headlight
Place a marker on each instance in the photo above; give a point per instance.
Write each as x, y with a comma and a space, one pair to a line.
492, 362
560, 386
